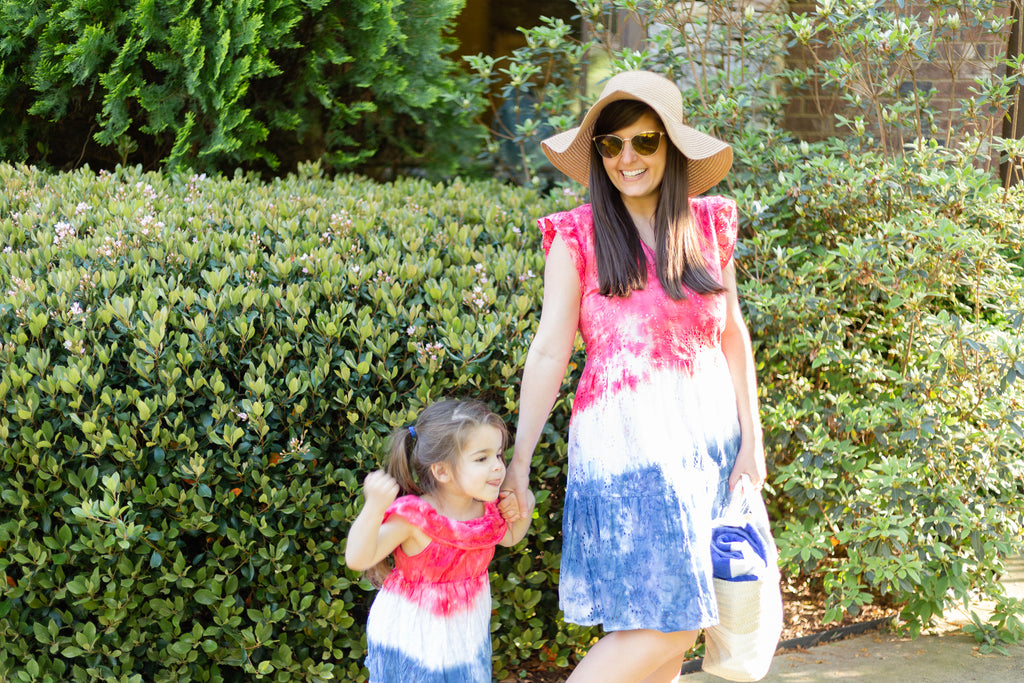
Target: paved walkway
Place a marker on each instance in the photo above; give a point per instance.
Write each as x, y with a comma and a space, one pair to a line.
946, 655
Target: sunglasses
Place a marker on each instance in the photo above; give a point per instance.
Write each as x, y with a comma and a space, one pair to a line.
645, 144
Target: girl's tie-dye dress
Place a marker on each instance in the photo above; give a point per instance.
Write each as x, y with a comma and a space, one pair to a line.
430, 622
652, 440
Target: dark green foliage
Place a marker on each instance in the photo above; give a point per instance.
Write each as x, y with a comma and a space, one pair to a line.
195, 376
886, 299
261, 84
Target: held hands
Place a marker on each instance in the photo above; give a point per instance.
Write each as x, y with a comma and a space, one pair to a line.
517, 518
521, 503
508, 506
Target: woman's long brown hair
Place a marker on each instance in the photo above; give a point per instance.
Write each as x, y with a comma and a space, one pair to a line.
621, 263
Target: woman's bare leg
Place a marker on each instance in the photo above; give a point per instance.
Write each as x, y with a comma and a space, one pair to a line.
634, 656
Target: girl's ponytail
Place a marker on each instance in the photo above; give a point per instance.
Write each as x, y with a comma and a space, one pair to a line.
402, 461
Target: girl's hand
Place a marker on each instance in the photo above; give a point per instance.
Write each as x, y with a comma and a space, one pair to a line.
370, 538
380, 490
517, 518
508, 506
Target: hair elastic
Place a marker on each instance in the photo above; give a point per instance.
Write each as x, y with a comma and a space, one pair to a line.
412, 431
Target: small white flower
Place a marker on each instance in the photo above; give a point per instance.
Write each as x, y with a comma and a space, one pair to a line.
64, 231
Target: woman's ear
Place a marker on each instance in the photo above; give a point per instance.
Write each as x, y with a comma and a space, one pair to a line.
442, 472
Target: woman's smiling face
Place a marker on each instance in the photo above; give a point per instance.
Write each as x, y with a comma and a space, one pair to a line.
636, 177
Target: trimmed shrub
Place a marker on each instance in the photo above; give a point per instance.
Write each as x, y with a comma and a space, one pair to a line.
195, 375
261, 84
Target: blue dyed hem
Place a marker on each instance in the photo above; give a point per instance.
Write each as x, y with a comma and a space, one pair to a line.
390, 665
636, 561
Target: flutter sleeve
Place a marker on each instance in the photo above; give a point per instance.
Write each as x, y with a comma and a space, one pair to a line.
725, 220
482, 532
717, 219
412, 508
567, 225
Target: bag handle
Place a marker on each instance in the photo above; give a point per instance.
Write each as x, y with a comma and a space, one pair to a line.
739, 507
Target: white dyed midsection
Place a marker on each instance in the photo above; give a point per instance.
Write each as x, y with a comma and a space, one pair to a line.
434, 640
669, 420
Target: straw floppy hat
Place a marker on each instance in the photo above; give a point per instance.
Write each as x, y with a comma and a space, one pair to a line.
709, 158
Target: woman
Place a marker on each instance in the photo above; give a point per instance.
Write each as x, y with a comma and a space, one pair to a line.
665, 418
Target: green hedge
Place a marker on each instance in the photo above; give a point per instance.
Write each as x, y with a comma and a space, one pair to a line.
258, 84
195, 375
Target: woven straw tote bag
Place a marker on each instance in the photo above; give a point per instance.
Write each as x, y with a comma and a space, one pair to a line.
741, 646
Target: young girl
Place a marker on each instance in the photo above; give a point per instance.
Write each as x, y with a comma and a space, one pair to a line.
431, 619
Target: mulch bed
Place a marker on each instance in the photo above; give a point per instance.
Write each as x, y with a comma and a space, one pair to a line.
803, 626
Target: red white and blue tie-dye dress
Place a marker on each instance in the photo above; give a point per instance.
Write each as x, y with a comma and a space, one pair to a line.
430, 622
652, 440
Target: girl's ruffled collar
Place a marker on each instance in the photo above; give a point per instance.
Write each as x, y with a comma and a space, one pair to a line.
483, 532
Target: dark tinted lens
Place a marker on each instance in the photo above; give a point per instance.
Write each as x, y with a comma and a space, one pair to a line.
608, 146
646, 144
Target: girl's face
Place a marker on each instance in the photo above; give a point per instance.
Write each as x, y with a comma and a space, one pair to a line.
636, 177
480, 467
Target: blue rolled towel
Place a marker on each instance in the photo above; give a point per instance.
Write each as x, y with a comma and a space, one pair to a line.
737, 553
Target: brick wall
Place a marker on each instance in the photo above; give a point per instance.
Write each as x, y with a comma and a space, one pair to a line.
811, 117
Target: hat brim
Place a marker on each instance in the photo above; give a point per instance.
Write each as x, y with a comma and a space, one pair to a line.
709, 158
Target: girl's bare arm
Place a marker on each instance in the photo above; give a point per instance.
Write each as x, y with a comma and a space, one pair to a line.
370, 539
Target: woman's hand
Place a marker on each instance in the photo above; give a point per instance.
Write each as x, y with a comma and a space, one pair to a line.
508, 506
517, 518
749, 461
